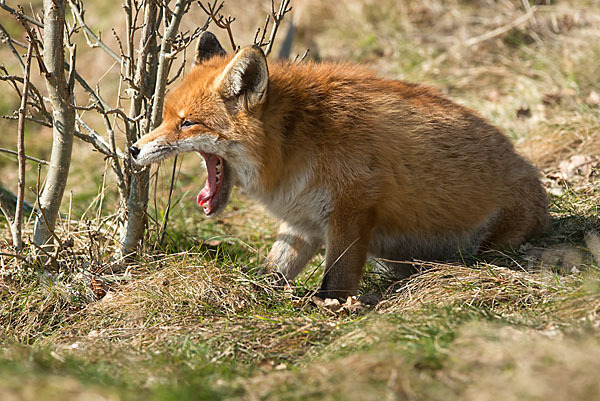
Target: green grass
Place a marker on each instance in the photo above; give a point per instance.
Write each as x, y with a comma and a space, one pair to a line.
193, 319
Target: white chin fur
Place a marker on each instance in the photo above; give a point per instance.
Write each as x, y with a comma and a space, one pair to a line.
244, 167
148, 157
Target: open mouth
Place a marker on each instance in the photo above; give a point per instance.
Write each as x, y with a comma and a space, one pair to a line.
215, 194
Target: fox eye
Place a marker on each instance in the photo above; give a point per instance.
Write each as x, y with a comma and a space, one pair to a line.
187, 123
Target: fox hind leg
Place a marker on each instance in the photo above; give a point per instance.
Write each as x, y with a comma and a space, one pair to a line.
528, 216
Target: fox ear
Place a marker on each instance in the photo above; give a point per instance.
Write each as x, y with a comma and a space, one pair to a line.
245, 78
207, 47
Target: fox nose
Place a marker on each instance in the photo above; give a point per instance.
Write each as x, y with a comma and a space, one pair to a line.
134, 150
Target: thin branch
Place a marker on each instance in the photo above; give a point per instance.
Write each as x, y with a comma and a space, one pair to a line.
78, 12
163, 62
20, 14
182, 42
34, 94
299, 59
129, 67
43, 69
13, 255
93, 138
5, 38
212, 10
5, 212
277, 18
262, 42
33, 39
18, 221
43, 123
33, 159
503, 29
177, 74
105, 148
163, 227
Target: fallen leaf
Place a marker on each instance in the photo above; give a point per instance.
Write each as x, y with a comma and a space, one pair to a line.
281, 366
577, 165
352, 306
593, 98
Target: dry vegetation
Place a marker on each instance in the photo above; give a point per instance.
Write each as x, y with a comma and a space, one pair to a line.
193, 319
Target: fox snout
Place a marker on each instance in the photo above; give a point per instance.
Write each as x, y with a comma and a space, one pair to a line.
153, 147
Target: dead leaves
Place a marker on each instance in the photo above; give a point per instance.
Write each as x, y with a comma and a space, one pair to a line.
333, 306
577, 166
577, 170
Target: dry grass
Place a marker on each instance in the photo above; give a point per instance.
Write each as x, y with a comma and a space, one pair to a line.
498, 289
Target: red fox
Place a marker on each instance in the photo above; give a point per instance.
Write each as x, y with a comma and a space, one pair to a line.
365, 165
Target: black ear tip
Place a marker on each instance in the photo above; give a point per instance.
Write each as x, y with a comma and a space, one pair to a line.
208, 46
207, 36
259, 49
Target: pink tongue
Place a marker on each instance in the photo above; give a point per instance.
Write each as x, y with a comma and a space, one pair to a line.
210, 187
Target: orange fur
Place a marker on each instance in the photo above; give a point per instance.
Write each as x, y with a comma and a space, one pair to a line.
366, 165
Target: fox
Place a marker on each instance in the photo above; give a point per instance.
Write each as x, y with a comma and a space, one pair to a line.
369, 167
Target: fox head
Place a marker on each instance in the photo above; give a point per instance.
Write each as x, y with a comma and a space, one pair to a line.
216, 111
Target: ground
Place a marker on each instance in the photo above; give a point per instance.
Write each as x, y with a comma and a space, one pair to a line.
193, 319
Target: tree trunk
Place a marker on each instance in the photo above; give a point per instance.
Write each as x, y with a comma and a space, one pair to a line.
137, 200
151, 77
63, 116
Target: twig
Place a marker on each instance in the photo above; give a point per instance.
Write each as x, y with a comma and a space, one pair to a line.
32, 39
503, 29
43, 123
177, 74
43, 69
163, 228
93, 138
181, 42
78, 12
212, 10
34, 93
164, 63
277, 18
262, 42
53, 260
5, 38
13, 255
20, 14
299, 59
33, 159
18, 221
5, 212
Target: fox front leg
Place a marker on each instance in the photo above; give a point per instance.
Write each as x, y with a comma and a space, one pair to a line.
291, 252
348, 237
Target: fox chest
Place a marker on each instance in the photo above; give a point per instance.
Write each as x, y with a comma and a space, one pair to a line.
307, 208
